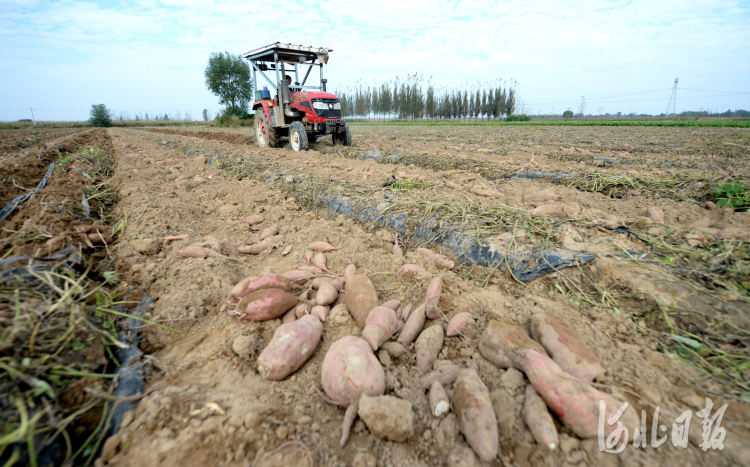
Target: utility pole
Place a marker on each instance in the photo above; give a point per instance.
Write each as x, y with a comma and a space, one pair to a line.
32, 116
673, 99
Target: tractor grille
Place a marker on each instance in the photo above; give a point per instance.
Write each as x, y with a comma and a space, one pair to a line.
327, 113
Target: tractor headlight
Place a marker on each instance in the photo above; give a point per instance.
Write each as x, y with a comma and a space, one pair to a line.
320, 105
337, 106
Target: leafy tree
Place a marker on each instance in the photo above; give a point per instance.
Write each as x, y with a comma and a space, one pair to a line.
228, 76
510, 102
100, 116
568, 114
205, 115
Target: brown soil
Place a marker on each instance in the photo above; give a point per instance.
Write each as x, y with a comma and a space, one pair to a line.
207, 404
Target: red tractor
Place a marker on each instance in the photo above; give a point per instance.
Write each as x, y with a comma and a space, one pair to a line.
301, 113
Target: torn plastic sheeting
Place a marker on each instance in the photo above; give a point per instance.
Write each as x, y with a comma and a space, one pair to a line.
130, 375
10, 207
525, 267
534, 174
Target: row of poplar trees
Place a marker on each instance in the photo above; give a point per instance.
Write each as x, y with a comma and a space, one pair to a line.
410, 99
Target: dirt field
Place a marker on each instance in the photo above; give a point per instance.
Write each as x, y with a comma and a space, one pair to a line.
663, 306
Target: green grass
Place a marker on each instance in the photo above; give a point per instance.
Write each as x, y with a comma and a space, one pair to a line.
664, 123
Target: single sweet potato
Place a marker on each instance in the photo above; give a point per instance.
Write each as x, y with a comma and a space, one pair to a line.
253, 220
265, 304
275, 239
412, 327
327, 294
312, 269
394, 349
538, 419
289, 317
574, 402
445, 373
433, 297
350, 369
392, 304
504, 344
361, 297
428, 346
565, 346
256, 249
292, 344
320, 311
439, 260
302, 309
98, 237
406, 311
380, 325
350, 271
322, 246
476, 417
438, 399
298, 277
458, 323
319, 261
309, 256
261, 281
273, 230
397, 251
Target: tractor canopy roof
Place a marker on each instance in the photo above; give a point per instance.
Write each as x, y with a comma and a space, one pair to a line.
288, 53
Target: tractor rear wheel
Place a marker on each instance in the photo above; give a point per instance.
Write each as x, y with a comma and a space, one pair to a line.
265, 134
344, 138
297, 137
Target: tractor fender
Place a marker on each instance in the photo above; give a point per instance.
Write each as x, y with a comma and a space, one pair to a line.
264, 105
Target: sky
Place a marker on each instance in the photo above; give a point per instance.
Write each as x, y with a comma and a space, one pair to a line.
60, 57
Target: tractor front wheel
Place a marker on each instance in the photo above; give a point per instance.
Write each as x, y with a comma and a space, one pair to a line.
344, 138
265, 134
297, 137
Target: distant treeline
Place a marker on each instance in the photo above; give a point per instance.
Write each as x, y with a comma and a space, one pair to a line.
412, 99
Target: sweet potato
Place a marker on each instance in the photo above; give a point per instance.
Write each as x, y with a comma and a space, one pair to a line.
327, 294
409, 268
655, 214
256, 249
361, 297
289, 317
210, 242
433, 297
311, 269
253, 220
392, 304
322, 246
309, 256
341, 300
350, 369
412, 327
200, 252
261, 281
350, 271
574, 402
318, 281
320, 262
504, 344
265, 304
97, 237
445, 373
428, 346
394, 349
273, 230
292, 344
380, 325
438, 399
406, 311
538, 419
320, 311
439, 260
397, 251
275, 239
298, 277
476, 417
557, 209
458, 323
302, 309
565, 346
